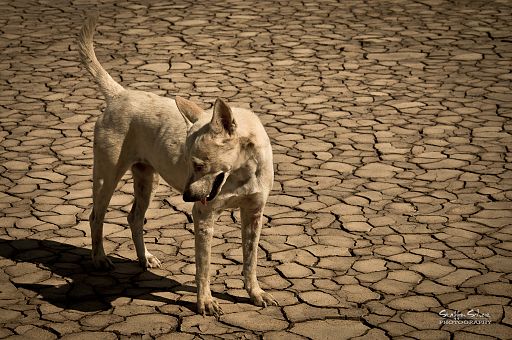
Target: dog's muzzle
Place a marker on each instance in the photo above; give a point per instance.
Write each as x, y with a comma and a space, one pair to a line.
190, 196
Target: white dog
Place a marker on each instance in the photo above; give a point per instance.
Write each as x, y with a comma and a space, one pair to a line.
218, 159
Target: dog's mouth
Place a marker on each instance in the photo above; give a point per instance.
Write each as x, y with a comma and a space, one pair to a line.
216, 186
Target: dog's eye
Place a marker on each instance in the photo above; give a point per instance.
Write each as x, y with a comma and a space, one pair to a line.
198, 167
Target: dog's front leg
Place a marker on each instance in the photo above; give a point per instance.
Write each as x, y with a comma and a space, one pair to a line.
203, 229
251, 229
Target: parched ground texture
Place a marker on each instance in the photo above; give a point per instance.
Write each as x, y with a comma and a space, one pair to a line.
391, 128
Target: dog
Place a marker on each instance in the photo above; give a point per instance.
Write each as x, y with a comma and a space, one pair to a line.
219, 159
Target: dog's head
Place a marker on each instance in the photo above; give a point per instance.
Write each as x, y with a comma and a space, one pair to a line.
212, 149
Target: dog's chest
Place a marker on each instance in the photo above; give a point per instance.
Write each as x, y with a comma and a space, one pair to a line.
241, 183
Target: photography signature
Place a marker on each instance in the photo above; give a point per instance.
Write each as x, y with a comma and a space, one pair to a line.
470, 317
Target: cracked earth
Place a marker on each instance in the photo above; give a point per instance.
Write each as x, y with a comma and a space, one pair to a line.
390, 124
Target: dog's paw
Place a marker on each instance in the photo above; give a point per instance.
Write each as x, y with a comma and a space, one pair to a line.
209, 307
263, 299
150, 261
102, 262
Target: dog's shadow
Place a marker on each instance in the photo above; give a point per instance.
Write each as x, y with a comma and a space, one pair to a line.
89, 290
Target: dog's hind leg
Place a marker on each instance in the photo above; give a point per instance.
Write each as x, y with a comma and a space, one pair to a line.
145, 181
105, 179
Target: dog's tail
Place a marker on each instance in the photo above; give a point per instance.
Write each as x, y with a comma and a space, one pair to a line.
108, 86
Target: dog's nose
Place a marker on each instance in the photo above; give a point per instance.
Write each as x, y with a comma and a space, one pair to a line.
188, 197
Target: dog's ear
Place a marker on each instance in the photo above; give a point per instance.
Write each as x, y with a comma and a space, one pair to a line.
189, 110
222, 119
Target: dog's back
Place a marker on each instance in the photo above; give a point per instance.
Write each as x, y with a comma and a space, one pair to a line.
144, 121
